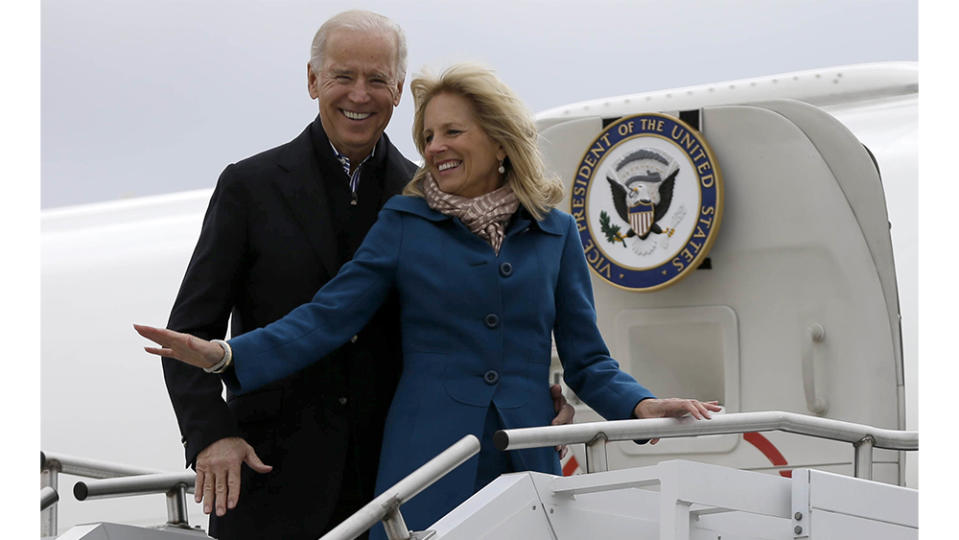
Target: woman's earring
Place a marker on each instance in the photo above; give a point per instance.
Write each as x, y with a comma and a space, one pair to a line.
501, 169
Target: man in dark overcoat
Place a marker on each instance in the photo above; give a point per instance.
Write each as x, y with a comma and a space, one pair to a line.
297, 457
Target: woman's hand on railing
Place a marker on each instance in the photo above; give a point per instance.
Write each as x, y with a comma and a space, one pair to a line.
184, 347
674, 407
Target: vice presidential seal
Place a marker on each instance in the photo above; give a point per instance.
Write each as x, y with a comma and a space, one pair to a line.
648, 199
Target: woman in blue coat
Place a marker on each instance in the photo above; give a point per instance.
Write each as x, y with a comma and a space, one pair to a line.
488, 273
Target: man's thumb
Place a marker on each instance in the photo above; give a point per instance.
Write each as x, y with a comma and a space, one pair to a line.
253, 461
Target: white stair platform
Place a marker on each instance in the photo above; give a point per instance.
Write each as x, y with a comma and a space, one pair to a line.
679, 500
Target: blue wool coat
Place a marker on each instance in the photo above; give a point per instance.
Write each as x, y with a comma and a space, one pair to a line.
476, 331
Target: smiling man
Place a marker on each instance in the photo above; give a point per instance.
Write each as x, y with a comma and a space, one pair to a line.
353, 75
299, 456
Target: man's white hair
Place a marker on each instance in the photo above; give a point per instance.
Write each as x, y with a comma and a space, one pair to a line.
365, 21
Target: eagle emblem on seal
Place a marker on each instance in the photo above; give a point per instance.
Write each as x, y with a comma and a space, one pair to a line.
642, 187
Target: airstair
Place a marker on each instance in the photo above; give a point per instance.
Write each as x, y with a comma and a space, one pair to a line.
680, 499
672, 500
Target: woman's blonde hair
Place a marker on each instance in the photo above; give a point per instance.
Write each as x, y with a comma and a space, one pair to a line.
504, 118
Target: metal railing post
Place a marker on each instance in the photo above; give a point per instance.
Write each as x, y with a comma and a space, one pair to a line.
49, 476
176, 507
395, 525
596, 454
862, 466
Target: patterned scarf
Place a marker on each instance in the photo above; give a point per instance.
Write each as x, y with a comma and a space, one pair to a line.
485, 216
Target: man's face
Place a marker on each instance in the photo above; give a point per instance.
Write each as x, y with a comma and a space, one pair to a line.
357, 89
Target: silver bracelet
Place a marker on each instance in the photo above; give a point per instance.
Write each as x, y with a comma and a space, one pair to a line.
225, 362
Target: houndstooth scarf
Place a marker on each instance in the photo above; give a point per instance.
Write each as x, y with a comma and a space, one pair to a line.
485, 216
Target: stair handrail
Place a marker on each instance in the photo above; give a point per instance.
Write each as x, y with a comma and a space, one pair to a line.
142, 484
89, 468
596, 434
48, 496
110, 479
174, 485
386, 507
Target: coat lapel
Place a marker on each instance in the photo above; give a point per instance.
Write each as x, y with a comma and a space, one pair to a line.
301, 187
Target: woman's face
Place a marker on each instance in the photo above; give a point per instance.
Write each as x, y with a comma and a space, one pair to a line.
462, 158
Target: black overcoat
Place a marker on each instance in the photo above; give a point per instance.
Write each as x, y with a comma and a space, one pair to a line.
267, 244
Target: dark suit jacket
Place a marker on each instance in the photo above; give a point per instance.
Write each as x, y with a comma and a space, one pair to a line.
266, 246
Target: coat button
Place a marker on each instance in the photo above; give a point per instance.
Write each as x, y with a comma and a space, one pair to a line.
506, 269
342, 400
491, 377
491, 320
354, 338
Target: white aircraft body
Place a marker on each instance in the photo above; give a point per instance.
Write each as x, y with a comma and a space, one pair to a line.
808, 304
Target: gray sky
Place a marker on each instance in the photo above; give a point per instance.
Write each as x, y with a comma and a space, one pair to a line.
142, 97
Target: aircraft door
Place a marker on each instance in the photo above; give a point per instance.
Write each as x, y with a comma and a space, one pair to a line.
795, 308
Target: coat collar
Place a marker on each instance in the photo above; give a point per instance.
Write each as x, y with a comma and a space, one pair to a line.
417, 206
307, 161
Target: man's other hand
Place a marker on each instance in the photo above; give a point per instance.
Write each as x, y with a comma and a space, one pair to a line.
218, 473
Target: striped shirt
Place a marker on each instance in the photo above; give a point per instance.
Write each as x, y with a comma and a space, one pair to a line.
345, 162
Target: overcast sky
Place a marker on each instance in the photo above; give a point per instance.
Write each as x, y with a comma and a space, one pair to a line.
142, 97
